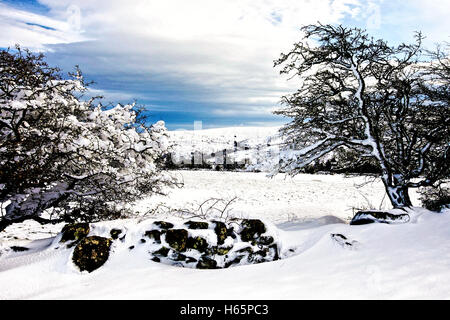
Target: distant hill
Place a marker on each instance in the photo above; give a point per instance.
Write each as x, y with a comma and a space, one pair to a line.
245, 147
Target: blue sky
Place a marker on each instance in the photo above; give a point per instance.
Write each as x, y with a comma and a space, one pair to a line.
208, 60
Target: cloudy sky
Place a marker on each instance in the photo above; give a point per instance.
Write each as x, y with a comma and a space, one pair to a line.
204, 60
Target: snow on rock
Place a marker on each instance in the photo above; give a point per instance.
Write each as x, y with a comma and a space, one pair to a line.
385, 261
366, 217
187, 243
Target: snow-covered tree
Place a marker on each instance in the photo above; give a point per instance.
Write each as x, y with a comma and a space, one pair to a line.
60, 150
382, 102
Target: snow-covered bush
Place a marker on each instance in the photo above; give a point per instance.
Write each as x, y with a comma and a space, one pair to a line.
60, 150
435, 199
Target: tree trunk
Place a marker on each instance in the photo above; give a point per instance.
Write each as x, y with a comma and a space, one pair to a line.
399, 196
4, 223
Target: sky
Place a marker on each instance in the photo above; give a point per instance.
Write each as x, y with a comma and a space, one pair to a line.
199, 60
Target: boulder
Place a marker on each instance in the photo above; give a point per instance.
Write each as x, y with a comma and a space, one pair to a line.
196, 225
163, 225
115, 233
154, 234
162, 252
221, 251
177, 239
236, 260
221, 231
197, 243
251, 228
265, 241
206, 263
366, 217
176, 256
74, 232
91, 253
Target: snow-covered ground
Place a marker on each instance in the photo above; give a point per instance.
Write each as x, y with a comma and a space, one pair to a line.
404, 261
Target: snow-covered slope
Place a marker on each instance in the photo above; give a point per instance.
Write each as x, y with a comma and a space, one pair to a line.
410, 260
386, 261
245, 145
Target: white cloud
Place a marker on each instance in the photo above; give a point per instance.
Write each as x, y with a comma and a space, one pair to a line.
210, 51
33, 30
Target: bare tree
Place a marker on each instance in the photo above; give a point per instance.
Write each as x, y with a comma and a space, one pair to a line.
60, 150
360, 93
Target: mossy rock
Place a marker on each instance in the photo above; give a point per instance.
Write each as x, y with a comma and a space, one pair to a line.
177, 239
245, 250
154, 234
206, 263
221, 231
91, 253
236, 260
163, 224
115, 233
163, 252
265, 241
198, 243
196, 225
221, 251
74, 231
251, 228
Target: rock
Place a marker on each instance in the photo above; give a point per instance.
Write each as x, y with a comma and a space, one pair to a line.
182, 249
177, 239
163, 224
115, 233
274, 249
221, 231
190, 260
343, 241
178, 257
223, 251
74, 231
154, 234
162, 252
255, 258
91, 253
265, 241
245, 250
206, 263
236, 260
251, 229
130, 247
366, 217
197, 243
19, 249
197, 225
143, 241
